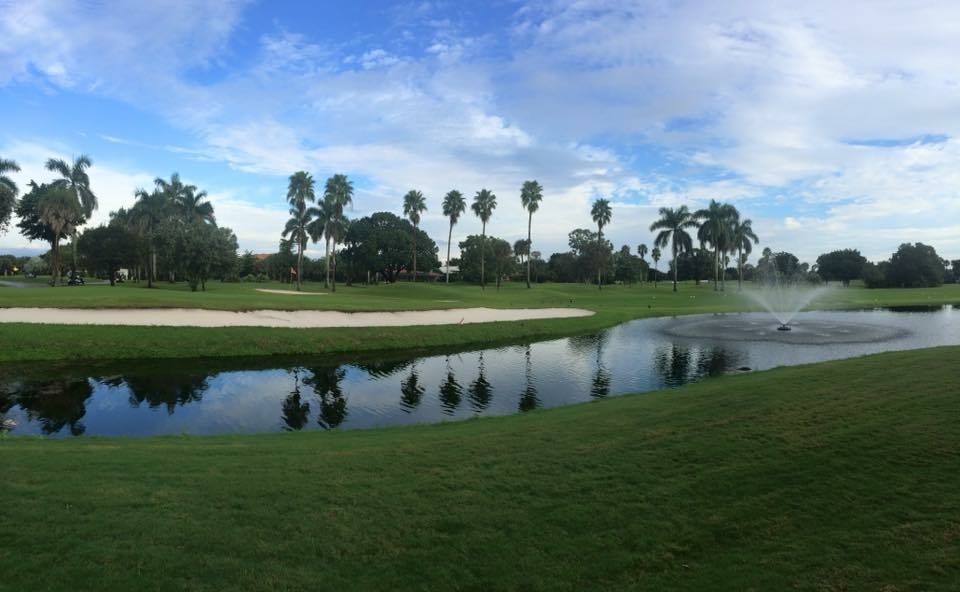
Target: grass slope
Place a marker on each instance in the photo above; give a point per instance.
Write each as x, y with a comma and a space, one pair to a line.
838, 476
613, 305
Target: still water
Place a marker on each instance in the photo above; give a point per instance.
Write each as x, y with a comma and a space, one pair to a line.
248, 396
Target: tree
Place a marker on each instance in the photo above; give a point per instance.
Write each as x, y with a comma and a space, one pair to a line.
717, 221
521, 248
915, 266
601, 214
8, 192
484, 202
531, 194
185, 200
75, 178
453, 207
743, 240
841, 265
105, 249
147, 214
337, 195
655, 255
479, 253
626, 266
300, 192
673, 225
59, 212
380, 243
642, 253
413, 205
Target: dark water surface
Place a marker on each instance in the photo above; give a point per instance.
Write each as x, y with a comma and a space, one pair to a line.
263, 395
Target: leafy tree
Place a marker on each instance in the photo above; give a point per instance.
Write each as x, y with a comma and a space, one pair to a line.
601, 214
8, 191
673, 225
915, 266
380, 243
105, 249
531, 194
413, 206
453, 207
626, 265
478, 253
564, 267
842, 265
484, 202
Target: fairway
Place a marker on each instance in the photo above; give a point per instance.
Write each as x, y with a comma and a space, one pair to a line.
612, 305
838, 476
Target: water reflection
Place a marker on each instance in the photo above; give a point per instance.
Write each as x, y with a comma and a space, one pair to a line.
256, 395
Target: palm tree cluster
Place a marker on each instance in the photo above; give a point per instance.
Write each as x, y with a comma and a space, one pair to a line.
719, 227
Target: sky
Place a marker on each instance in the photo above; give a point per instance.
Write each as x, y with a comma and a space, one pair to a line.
829, 124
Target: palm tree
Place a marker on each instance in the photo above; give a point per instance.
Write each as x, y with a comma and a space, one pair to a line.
601, 214
337, 195
531, 194
319, 228
715, 228
60, 211
642, 252
673, 225
484, 202
300, 192
655, 255
75, 178
147, 214
743, 240
413, 205
453, 206
8, 191
190, 204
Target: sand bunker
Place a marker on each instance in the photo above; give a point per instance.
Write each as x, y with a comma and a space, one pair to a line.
291, 292
192, 317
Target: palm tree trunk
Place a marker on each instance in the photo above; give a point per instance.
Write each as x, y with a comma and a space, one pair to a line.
326, 281
56, 262
676, 266
529, 246
413, 243
716, 268
483, 256
599, 257
333, 281
73, 237
152, 272
449, 238
740, 270
299, 262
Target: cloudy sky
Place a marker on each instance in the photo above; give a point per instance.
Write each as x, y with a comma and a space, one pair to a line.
830, 124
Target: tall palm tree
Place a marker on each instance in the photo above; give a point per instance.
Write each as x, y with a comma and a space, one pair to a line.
601, 214
673, 225
484, 202
642, 252
531, 194
413, 205
338, 194
8, 191
147, 214
300, 192
743, 240
319, 228
453, 206
184, 199
655, 255
74, 177
60, 211
715, 229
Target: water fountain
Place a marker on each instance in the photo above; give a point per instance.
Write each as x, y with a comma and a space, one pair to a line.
784, 300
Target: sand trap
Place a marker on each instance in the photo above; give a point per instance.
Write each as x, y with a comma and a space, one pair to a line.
192, 317
291, 292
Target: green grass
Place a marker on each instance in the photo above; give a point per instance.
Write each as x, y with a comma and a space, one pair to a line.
837, 476
615, 304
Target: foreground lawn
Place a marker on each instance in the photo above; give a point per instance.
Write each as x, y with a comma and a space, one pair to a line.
613, 305
838, 476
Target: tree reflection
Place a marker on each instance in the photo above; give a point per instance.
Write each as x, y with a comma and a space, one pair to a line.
411, 391
382, 368
333, 403
296, 412
480, 391
600, 385
451, 393
167, 390
715, 361
55, 404
672, 363
528, 397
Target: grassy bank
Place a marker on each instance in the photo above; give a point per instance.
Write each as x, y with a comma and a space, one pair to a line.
613, 305
839, 476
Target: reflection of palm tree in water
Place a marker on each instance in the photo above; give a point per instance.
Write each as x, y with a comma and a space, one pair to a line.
672, 363
528, 398
164, 389
55, 404
715, 361
600, 387
480, 391
296, 412
451, 393
333, 404
411, 391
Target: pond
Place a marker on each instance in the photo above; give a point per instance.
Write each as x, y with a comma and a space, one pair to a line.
263, 395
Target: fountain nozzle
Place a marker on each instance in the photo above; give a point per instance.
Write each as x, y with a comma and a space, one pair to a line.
784, 327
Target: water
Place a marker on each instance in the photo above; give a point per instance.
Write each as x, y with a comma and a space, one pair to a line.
785, 300
265, 395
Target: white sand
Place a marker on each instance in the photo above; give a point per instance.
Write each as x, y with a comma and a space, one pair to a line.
291, 292
193, 317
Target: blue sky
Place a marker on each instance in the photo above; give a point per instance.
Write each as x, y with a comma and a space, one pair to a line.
830, 124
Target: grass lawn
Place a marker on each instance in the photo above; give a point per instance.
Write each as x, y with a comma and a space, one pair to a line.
613, 305
839, 476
